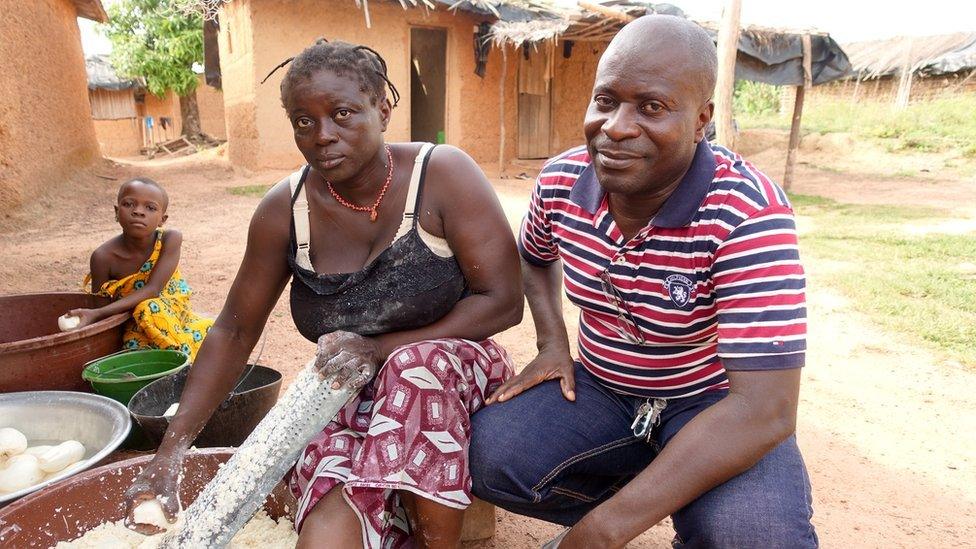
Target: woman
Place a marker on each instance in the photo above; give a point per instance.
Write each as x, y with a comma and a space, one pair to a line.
400, 258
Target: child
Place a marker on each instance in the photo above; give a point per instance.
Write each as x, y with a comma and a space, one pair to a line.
138, 270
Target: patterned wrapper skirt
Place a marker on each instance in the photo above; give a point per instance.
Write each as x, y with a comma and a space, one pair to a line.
407, 430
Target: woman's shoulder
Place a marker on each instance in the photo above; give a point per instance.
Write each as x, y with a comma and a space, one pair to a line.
451, 169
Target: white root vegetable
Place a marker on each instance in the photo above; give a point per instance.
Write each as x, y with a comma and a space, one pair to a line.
67, 322
150, 512
61, 456
171, 411
22, 471
12, 442
37, 450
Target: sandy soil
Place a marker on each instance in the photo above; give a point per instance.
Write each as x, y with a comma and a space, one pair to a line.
886, 427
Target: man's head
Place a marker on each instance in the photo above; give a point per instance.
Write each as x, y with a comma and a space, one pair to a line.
651, 102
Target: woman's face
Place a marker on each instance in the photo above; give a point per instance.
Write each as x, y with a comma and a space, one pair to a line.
337, 126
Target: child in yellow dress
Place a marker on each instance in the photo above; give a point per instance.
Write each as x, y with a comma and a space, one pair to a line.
138, 269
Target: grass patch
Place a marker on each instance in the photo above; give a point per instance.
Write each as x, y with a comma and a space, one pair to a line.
913, 284
249, 190
941, 124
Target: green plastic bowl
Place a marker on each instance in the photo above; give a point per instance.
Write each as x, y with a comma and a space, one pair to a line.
119, 376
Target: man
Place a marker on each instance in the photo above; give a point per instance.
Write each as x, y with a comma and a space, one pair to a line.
683, 260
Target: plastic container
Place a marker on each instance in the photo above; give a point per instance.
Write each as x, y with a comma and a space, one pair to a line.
119, 376
255, 393
36, 356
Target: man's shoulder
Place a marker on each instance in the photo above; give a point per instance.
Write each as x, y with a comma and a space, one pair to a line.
569, 163
738, 180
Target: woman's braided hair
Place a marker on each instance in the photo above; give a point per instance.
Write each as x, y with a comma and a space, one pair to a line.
343, 59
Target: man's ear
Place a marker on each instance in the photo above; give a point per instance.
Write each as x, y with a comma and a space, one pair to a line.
704, 117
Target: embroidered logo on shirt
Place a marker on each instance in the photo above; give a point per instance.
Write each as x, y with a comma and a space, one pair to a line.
680, 289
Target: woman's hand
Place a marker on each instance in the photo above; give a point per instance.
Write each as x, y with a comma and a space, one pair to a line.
85, 317
349, 358
159, 480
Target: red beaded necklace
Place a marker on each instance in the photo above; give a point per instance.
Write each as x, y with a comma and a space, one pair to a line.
370, 209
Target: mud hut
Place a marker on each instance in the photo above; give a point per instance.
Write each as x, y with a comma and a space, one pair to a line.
46, 128
437, 51
129, 120
905, 69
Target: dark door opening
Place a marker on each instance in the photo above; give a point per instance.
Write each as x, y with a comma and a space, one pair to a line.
428, 84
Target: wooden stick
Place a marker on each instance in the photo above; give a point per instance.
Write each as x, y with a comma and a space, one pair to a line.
501, 112
797, 117
728, 47
606, 12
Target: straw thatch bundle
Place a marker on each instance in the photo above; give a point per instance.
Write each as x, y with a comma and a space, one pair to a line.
877, 58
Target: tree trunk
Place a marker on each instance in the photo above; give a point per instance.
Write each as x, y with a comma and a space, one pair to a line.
190, 114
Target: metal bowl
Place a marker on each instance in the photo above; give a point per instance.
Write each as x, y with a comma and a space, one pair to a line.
100, 423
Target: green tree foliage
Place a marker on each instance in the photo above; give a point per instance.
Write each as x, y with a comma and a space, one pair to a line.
153, 40
755, 98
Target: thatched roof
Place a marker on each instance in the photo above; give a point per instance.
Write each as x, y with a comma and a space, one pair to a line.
770, 55
91, 9
509, 10
928, 55
101, 75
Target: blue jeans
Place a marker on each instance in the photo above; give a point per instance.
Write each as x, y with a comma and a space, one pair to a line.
545, 457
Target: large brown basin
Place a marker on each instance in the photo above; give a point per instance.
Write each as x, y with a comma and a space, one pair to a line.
66, 510
36, 356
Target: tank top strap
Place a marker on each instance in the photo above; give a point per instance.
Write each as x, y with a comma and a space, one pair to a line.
299, 212
414, 192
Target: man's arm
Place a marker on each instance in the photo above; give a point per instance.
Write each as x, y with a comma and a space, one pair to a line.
719, 443
543, 290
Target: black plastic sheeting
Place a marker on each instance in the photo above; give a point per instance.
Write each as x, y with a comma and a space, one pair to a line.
962, 59
778, 60
101, 75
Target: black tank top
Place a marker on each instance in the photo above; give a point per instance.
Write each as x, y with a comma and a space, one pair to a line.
407, 286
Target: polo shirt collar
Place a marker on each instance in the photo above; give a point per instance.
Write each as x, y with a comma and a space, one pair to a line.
678, 210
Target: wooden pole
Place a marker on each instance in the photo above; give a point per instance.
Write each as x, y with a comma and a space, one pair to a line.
905, 82
728, 47
501, 111
798, 113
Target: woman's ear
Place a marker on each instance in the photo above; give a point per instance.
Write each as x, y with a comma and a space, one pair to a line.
386, 110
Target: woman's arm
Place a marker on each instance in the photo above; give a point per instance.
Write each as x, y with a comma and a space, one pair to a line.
259, 282
460, 202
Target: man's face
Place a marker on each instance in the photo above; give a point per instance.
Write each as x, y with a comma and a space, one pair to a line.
645, 117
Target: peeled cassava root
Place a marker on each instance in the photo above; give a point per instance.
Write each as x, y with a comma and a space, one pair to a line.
21, 471
67, 322
64, 454
22, 466
12, 442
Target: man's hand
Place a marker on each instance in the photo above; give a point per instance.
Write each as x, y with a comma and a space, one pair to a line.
550, 363
350, 358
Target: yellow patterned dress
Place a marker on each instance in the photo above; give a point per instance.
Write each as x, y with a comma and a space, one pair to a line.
162, 322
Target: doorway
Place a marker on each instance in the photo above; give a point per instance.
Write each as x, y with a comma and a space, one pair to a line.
534, 101
428, 84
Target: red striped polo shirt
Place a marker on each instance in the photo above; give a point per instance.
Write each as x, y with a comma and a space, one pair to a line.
712, 283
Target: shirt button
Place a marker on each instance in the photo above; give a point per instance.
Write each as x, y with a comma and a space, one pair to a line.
620, 259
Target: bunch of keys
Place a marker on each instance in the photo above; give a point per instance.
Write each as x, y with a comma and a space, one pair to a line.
648, 415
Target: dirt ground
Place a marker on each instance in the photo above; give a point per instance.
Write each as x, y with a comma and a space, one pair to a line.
887, 428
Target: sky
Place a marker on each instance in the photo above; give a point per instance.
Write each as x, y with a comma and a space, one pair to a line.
845, 20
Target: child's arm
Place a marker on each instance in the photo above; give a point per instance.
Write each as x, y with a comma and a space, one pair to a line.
99, 266
169, 260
